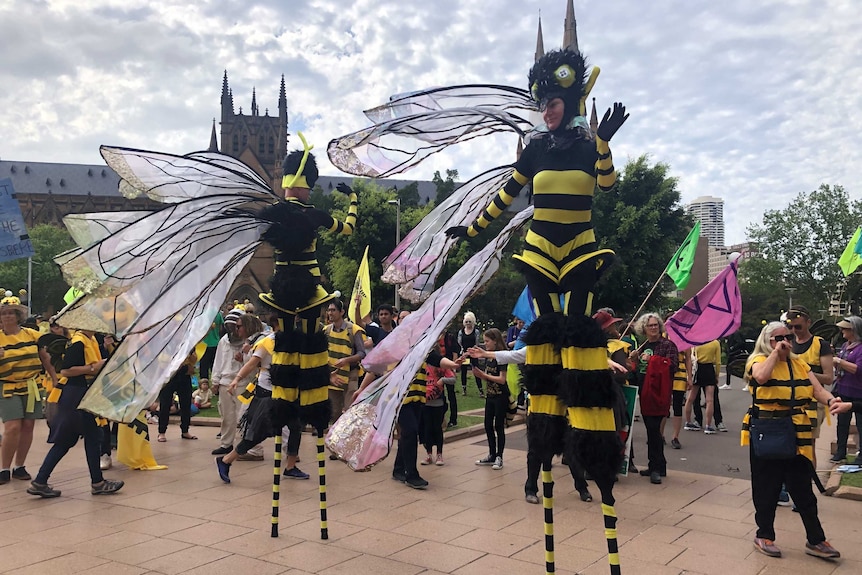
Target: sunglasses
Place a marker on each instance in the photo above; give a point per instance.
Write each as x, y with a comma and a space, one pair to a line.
796, 326
788, 337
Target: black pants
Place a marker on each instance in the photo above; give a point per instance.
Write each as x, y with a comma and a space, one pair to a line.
716, 407
452, 397
207, 360
92, 447
767, 476
843, 426
495, 424
432, 421
408, 439
182, 385
655, 444
465, 369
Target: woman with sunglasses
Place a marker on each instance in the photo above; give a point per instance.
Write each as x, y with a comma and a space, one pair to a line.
782, 385
848, 384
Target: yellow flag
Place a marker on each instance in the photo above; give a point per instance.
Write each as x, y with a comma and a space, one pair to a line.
361, 289
133, 445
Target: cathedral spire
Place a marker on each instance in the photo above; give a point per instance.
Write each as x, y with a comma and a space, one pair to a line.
254, 110
226, 100
213, 140
594, 118
540, 43
570, 28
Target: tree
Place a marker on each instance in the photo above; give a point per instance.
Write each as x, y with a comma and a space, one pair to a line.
409, 195
48, 285
642, 221
798, 248
445, 187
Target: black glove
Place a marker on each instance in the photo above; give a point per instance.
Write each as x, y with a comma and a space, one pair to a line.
612, 121
344, 188
457, 232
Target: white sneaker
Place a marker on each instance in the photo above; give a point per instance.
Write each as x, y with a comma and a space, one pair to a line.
498, 463
724, 386
745, 388
721, 427
105, 462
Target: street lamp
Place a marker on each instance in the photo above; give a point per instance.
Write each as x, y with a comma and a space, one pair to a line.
397, 203
789, 291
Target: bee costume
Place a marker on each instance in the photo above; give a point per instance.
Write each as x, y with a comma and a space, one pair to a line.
566, 371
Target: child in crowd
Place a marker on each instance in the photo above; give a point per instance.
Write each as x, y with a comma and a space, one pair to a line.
203, 396
496, 400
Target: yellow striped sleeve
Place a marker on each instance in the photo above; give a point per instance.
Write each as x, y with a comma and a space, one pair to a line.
501, 201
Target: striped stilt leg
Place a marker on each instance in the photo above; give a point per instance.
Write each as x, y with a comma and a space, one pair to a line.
321, 470
276, 483
548, 504
610, 517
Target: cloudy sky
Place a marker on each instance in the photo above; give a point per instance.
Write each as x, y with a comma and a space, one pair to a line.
753, 102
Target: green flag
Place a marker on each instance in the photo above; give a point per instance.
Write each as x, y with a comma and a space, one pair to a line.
851, 259
679, 268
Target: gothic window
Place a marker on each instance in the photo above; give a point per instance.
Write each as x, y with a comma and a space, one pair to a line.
261, 146
271, 145
235, 143
244, 141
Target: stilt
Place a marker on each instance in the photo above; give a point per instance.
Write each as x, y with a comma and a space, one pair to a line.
548, 504
610, 517
321, 470
276, 482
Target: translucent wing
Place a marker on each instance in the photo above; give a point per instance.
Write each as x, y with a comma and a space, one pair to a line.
87, 229
145, 360
417, 261
126, 273
409, 129
413, 340
168, 178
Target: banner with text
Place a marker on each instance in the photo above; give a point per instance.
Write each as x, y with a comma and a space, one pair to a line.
14, 241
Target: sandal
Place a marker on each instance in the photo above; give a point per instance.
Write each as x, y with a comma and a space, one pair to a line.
162, 438
188, 436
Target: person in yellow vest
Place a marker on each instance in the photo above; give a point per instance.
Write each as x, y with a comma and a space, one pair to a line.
781, 386
21, 362
817, 353
81, 363
346, 342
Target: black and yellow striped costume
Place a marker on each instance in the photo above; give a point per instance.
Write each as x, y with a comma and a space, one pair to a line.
812, 356
788, 391
341, 346
21, 365
300, 359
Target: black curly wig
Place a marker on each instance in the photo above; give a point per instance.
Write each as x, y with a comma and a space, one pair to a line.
291, 166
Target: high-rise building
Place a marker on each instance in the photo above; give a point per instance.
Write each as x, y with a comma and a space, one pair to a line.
710, 212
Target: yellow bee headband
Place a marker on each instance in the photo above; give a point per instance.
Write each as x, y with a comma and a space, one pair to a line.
297, 179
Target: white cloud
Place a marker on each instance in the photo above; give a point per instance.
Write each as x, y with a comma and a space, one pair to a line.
750, 101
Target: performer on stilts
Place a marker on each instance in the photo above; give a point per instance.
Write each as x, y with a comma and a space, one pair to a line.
566, 372
300, 359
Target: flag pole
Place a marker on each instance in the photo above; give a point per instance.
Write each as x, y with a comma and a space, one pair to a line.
643, 303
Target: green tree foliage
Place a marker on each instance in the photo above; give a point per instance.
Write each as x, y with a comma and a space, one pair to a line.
446, 186
48, 285
642, 220
409, 195
799, 246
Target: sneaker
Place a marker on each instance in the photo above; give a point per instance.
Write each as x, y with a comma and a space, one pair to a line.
531, 498
332, 457
223, 469
586, 496
498, 463
44, 491
426, 461
222, 450
399, 476
709, 430
823, 550
21, 473
784, 498
105, 462
655, 478
416, 482
489, 460
767, 547
724, 386
837, 458
5, 476
451, 425
745, 388
675, 444
218, 435
106, 487
691, 426
249, 457
439, 460
721, 427
295, 473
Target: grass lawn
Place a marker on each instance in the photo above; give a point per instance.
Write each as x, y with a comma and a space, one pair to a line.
467, 402
852, 479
